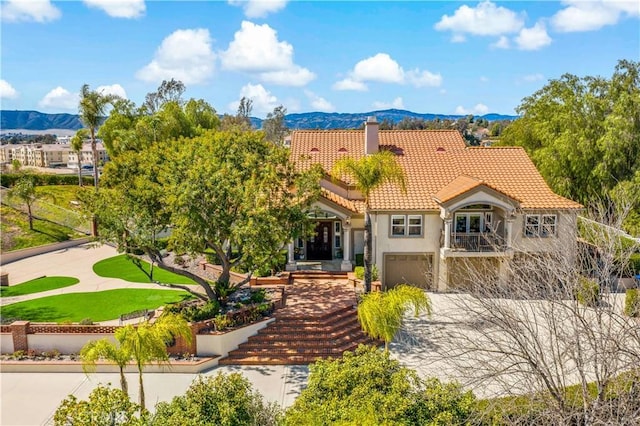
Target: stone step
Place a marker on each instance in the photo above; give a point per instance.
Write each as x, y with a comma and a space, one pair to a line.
275, 334
294, 316
336, 323
298, 343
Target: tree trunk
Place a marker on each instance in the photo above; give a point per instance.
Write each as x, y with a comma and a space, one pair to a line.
123, 382
94, 150
30, 217
79, 169
142, 407
367, 252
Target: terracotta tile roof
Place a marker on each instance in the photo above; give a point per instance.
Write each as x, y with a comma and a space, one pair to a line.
462, 184
355, 206
432, 160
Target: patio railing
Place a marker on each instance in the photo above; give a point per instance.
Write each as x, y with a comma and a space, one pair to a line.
478, 242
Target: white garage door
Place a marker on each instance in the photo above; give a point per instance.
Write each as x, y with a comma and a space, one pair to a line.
408, 268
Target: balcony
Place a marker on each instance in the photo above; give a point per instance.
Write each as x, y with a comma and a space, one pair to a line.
475, 244
478, 241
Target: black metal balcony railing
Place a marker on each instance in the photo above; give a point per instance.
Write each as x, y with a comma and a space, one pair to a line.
479, 242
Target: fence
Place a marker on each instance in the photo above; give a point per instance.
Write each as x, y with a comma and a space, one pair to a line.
53, 213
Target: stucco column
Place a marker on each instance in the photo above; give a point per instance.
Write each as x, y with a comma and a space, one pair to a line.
291, 262
447, 233
509, 233
346, 252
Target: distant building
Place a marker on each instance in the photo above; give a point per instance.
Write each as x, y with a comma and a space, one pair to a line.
86, 156
51, 155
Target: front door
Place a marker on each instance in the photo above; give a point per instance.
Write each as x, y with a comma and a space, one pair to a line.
319, 245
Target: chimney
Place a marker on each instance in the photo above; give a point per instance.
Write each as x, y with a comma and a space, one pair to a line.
371, 135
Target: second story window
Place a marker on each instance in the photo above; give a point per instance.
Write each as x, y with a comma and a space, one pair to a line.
406, 225
536, 225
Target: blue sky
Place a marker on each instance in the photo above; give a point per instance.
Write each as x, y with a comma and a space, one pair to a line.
355, 56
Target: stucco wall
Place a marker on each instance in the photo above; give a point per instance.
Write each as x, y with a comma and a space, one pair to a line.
222, 344
6, 343
565, 236
428, 242
64, 343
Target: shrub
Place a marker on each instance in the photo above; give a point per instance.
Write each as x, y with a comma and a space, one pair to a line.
587, 292
359, 271
369, 388
41, 179
217, 400
86, 321
634, 263
258, 296
222, 322
632, 303
202, 312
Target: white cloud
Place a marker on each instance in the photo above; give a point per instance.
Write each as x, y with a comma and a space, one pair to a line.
424, 78
502, 43
484, 19
378, 68
533, 77
60, 99
458, 38
29, 10
114, 89
350, 84
479, 109
256, 49
7, 91
185, 55
533, 38
295, 76
592, 15
397, 103
484, 79
119, 8
319, 103
382, 68
263, 100
259, 8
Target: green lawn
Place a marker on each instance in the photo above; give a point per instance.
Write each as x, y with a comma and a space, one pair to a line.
99, 306
122, 267
16, 235
38, 285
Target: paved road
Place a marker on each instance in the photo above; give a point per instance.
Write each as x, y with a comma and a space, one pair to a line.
31, 399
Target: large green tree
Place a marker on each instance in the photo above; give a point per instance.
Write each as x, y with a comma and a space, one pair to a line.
369, 388
231, 194
368, 173
24, 190
92, 110
583, 133
274, 126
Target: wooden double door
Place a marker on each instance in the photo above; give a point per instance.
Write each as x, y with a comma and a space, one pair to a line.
319, 247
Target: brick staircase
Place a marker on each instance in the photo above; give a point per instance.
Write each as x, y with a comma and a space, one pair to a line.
306, 330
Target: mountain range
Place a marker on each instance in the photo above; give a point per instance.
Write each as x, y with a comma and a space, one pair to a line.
34, 120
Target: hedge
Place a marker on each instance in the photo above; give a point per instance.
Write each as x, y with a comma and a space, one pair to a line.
632, 303
41, 179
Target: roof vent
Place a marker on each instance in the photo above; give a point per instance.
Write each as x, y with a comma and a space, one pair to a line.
440, 149
314, 150
342, 150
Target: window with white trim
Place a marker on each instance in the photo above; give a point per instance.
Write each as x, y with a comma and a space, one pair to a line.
543, 226
406, 225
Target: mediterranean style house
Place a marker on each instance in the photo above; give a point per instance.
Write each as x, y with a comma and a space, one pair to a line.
476, 205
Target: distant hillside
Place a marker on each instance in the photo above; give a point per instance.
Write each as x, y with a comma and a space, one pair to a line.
34, 120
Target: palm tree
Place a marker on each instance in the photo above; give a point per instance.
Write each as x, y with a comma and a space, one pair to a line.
369, 173
92, 108
148, 342
381, 313
25, 191
77, 141
105, 349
